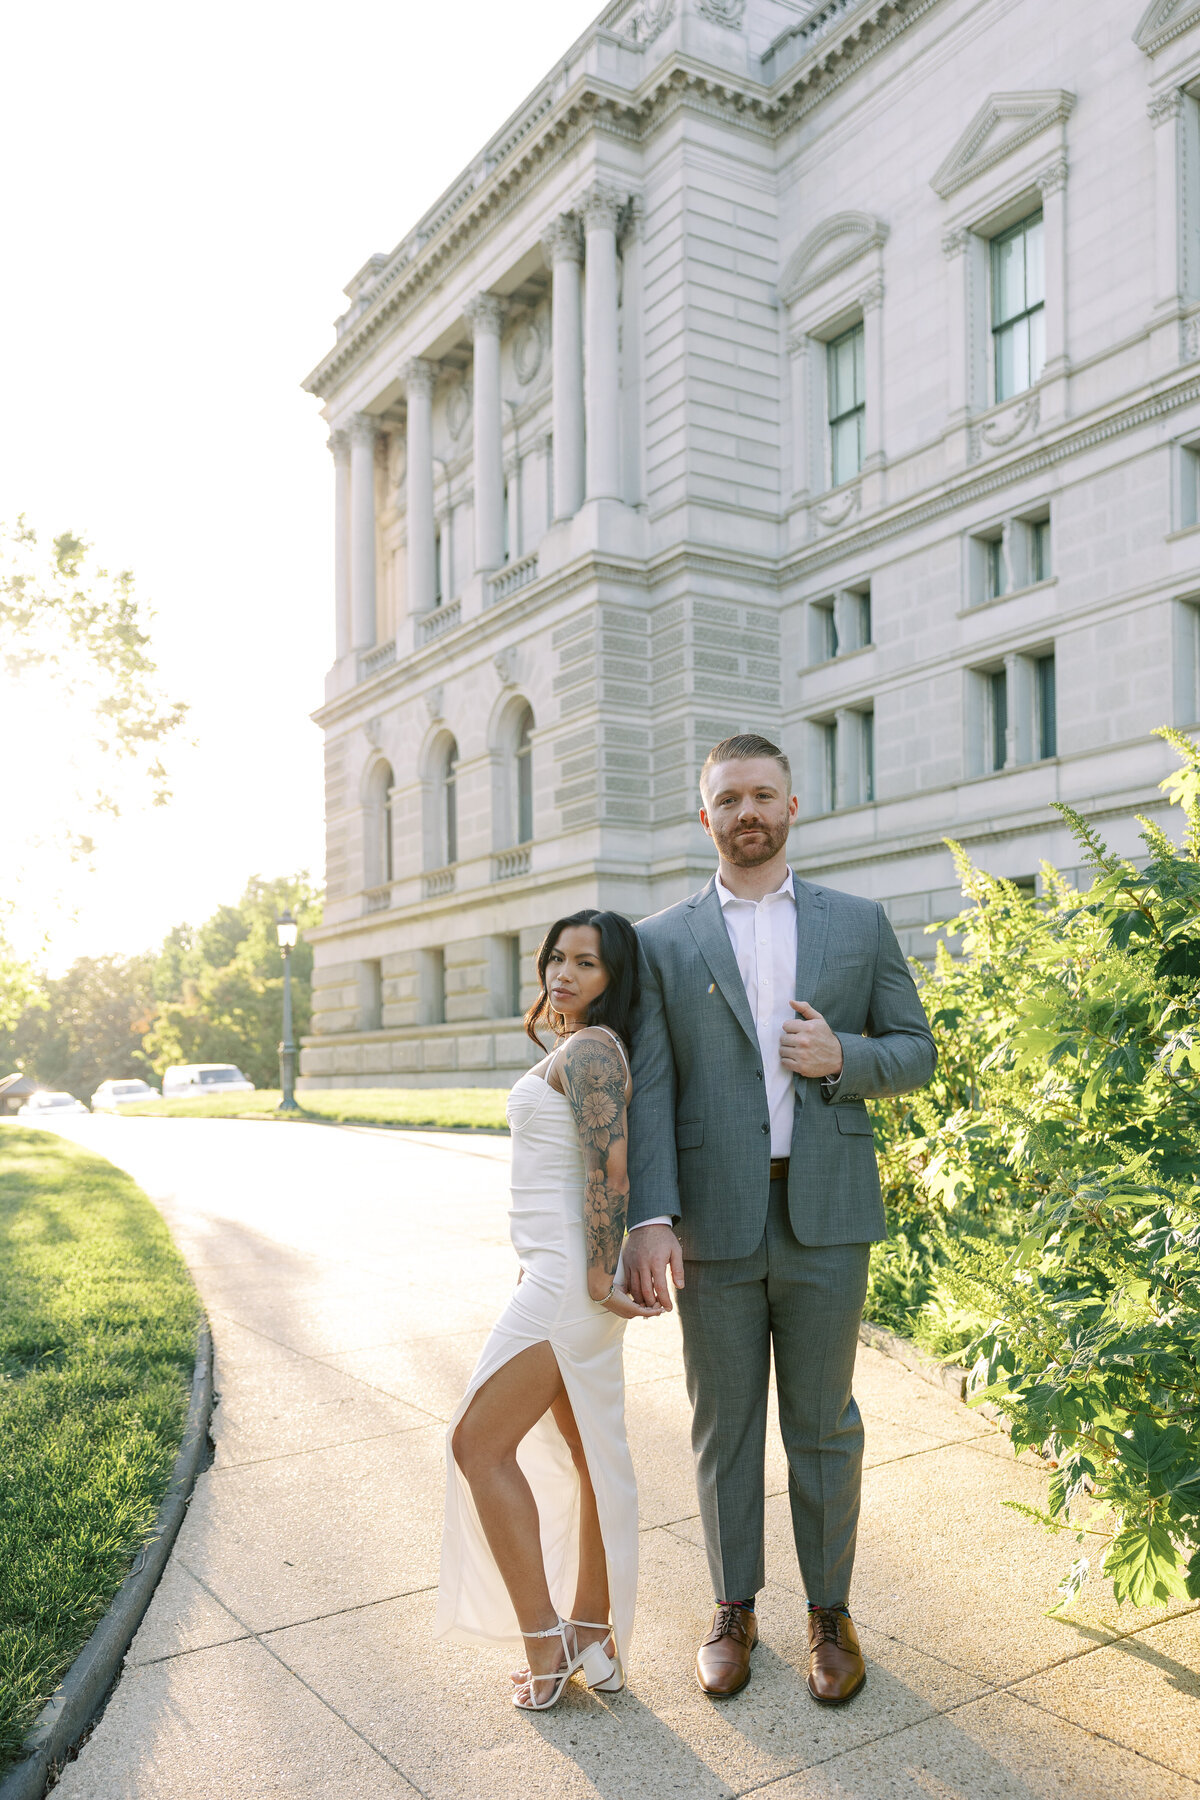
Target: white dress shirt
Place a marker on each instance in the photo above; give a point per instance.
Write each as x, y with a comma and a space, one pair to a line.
762, 935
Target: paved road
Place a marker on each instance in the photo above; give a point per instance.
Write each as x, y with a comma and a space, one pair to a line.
350, 1277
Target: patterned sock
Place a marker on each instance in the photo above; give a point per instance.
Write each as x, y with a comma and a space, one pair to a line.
748, 1604
841, 1607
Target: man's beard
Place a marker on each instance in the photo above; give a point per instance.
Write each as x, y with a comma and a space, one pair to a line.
746, 853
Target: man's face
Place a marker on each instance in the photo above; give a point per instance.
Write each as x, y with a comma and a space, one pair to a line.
747, 810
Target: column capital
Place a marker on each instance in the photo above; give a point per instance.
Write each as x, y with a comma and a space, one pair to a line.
364, 428
798, 343
601, 207
485, 313
561, 240
1165, 106
420, 376
338, 444
1053, 177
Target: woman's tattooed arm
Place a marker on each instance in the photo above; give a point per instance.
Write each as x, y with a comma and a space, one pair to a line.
593, 1078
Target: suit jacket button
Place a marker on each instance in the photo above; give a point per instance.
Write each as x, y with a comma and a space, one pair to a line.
766, 1130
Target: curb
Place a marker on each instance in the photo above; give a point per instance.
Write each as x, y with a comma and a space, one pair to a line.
274, 1118
84, 1687
951, 1376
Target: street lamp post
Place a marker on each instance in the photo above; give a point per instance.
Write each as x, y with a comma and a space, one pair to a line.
288, 932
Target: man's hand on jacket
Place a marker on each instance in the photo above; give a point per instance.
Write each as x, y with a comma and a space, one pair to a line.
808, 1046
650, 1250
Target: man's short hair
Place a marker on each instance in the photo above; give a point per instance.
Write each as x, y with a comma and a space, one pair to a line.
742, 748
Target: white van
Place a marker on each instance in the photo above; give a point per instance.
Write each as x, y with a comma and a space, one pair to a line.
184, 1079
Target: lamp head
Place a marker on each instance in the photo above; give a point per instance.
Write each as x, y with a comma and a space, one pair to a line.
287, 930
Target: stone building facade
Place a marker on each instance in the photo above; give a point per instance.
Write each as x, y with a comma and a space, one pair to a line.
831, 370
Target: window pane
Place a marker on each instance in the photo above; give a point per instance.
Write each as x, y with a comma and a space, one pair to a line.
524, 797
1047, 708
999, 695
868, 755
846, 436
1035, 262
997, 583
1040, 558
1037, 344
1006, 369
864, 619
830, 767
831, 632
1008, 276
847, 380
859, 344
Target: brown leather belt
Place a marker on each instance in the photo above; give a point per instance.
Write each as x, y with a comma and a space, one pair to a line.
779, 1168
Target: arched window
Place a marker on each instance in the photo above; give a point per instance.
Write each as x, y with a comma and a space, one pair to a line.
524, 761
378, 846
450, 802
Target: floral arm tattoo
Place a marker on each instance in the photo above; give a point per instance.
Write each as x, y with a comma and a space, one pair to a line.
593, 1078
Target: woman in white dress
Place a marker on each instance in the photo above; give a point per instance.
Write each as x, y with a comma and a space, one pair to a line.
541, 1533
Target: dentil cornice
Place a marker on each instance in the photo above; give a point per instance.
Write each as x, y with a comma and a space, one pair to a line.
553, 121
1164, 20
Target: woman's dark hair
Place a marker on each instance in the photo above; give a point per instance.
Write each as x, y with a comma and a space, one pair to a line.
619, 954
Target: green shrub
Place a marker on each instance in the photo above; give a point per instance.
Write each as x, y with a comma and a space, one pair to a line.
1053, 1170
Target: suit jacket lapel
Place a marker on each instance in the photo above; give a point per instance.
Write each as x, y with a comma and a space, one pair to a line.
712, 939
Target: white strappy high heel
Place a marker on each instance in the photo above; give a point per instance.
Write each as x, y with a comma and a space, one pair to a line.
602, 1672
559, 1677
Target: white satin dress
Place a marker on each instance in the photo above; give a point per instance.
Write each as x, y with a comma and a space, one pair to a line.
549, 1305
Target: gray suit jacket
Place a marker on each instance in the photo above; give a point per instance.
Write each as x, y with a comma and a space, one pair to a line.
699, 1131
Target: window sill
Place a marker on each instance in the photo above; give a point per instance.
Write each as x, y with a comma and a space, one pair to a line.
831, 662
1034, 587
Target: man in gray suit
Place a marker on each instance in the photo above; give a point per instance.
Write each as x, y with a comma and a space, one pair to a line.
771, 1010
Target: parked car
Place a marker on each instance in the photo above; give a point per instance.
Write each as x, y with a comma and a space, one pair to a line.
43, 1103
112, 1095
204, 1078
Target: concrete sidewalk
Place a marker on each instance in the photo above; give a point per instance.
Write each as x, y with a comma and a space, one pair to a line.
350, 1278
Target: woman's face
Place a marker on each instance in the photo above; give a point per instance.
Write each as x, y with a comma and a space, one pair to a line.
575, 976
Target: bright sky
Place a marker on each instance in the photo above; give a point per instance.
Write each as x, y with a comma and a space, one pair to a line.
188, 190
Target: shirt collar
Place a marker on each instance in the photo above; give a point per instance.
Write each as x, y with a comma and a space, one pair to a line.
726, 897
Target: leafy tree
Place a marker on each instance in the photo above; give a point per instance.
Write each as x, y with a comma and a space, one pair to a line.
85, 1026
224, 983
1049, 1186
72, 630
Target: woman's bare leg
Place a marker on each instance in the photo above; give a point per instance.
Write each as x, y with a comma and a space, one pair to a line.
485, 1443
591, 1586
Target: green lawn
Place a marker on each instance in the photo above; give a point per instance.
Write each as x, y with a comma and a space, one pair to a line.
98, 1320
469, 1109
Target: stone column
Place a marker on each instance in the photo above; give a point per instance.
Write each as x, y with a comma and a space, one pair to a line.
601, 208
1053, 185
419, 377
849, 758
1166, 116
563, 250
485, 315
339, 444
363, 432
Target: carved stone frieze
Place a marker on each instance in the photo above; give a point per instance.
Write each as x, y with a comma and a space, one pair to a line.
1189, 338
1004, 428
434, 700
529, 347
1053, 176
723, 12
458, 408
648, 20
835, 511
505, 663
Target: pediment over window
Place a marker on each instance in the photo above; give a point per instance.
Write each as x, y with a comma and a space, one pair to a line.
829, 248
1001, 124
1163, 20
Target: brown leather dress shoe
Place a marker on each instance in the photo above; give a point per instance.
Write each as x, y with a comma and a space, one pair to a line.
723, 1659
836, 1669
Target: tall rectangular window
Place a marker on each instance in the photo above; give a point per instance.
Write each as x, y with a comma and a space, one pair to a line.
868, 757
1039, 550
825, 631
846, 366
997, 569
998, 708
1047, 715
831, 766
1018, 306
